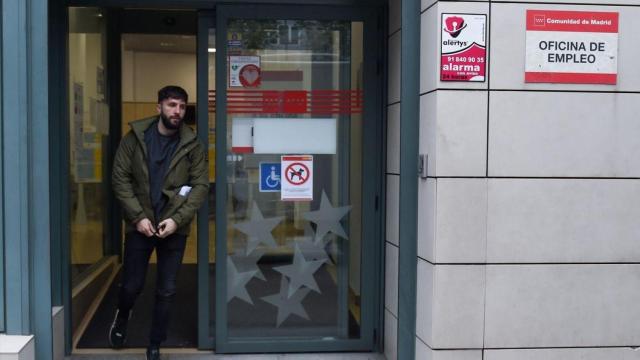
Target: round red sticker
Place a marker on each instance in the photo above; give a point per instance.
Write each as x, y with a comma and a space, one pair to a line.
297, 173
250, 75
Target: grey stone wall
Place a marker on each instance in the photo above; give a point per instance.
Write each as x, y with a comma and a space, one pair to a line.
529, 231
393, 183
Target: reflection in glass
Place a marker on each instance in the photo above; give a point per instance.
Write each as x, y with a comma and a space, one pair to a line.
88, 126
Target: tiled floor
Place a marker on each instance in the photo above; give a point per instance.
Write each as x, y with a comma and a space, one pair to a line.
210, 356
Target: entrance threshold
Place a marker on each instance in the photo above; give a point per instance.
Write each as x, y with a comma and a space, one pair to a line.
193, 354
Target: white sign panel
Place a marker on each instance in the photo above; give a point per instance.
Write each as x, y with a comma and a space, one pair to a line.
572, 47
244, 71
294, 136
297, 178
284, 135
241, 135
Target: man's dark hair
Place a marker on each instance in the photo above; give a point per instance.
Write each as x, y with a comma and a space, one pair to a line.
172, 92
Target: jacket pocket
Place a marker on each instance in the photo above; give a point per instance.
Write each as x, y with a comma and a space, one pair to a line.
175, 201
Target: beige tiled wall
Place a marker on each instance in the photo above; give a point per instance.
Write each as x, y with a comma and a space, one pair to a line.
528, 223
392, 171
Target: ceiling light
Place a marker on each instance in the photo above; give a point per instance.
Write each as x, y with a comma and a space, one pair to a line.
212, 50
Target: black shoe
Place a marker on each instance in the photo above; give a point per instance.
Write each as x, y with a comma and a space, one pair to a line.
118, 330
153, 353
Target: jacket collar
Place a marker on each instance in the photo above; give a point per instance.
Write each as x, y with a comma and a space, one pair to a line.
139, 126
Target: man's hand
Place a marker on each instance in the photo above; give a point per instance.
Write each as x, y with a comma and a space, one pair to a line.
166, 228
145, 227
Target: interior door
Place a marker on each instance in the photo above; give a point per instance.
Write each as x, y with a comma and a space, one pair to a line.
295, 134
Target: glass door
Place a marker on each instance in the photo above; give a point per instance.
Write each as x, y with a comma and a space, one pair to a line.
295, 136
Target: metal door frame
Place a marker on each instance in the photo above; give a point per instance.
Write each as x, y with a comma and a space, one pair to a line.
373, 159
206, 337
372, 137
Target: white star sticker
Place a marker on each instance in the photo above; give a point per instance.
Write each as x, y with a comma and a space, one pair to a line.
327, 218
249, 262
287, 305
312, 248
236, 282
300, 272
258, 229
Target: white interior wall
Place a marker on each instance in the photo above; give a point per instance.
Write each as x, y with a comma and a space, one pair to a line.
85, 57
144, 73
128, 76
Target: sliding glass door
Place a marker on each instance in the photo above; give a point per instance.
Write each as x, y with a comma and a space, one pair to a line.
294, 139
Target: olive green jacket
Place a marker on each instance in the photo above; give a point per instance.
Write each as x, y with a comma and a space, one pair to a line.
130, 178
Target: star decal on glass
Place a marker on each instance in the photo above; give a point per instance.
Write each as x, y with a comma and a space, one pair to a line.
286, 304
327, 218
249, 262
312, 248
237, 281
300, 272
258, 229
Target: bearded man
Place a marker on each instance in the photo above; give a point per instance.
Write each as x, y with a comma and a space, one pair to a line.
160, 177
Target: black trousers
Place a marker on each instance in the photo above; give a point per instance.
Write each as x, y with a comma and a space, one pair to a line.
137, 251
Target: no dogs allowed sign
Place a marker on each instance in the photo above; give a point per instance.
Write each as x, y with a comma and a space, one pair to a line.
463, 47
571, 47
297, 182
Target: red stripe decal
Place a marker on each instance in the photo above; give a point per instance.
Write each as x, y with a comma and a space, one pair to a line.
291, 101
242, 149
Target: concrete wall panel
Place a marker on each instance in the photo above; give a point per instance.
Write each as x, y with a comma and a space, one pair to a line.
564, 354
427, 208
558, 220
393, 139
395, 18
390, 336
429, 50
458, 307
393, 209
461, 133
453, 132
393, 87
564, 134
391, 279
424, 4
423, 352
425, 298
529, 306
461, 221
428, 129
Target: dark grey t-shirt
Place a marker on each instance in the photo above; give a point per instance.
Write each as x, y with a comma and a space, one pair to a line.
160, 150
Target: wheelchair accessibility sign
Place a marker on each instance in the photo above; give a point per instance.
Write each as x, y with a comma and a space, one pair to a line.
270, 177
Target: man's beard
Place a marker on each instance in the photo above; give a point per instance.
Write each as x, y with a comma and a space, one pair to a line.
168, 124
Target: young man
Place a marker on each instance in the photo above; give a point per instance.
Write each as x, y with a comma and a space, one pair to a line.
160, 176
